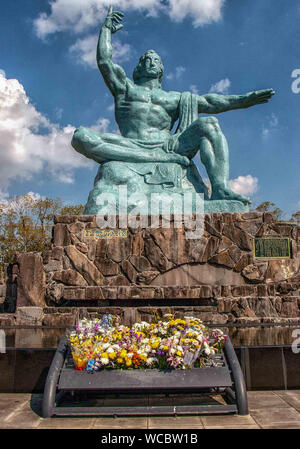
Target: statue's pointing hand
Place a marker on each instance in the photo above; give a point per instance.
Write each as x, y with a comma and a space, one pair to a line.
113, 20
259, 96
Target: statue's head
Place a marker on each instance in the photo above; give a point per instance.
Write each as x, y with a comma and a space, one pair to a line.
149, 66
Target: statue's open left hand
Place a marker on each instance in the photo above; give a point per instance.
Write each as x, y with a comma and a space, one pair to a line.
259, 97
113, 20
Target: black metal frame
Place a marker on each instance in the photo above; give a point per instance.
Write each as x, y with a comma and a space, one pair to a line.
225, 377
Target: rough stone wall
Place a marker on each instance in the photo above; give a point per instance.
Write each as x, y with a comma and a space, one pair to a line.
3, 281
8, 288
216, 274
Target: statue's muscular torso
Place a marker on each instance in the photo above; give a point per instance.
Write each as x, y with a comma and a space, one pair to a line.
144, 113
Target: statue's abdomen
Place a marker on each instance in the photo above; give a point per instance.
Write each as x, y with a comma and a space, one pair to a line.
140, 120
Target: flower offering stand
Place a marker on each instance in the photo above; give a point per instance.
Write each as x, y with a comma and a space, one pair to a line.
225, 378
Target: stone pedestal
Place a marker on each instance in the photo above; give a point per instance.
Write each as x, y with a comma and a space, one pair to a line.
215, 276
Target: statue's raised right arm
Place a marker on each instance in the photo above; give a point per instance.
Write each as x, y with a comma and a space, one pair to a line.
114, 76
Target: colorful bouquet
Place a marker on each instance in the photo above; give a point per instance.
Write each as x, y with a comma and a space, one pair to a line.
167, 343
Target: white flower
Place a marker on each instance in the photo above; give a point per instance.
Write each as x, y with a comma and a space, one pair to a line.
110, 350
104, 361
145, 324
151, 360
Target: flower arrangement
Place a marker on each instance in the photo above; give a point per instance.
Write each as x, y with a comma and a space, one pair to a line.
165, 344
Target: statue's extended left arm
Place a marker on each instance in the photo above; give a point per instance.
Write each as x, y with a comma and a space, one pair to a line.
215, 103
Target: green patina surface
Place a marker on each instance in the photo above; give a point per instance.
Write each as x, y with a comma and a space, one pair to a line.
146, 157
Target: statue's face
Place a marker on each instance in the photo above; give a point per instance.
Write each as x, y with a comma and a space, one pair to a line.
151, 65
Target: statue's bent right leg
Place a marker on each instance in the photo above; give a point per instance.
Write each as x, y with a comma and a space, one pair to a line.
205, 134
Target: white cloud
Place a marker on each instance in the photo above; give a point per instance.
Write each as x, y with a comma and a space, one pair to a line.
81, 15
244, 185
202, 12
3, 196
101, 125
270, 126
194, 89
265, 132
58, 113
30, 144
177, 74
221, 86
34, 195
111, 107
2, 72
84, 51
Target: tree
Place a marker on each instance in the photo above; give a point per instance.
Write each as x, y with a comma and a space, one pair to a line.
296, 216
277, 213
72, 210
26, 223
45, 209
265, 206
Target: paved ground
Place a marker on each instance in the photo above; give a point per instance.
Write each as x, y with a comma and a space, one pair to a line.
268, 410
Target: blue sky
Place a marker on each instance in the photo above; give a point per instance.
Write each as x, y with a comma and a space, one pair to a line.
230, 47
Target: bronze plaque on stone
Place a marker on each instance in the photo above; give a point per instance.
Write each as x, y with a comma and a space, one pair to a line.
271, 248
104, 233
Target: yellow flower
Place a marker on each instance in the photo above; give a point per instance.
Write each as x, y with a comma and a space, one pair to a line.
128, 362
119, 360
155, 344
112, 355
165, 347
104, 355
179, 353
123, 353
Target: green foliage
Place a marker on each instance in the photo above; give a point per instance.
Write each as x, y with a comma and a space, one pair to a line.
296, 216
277, 213
268, 206
265, 206
72, 210
26, 223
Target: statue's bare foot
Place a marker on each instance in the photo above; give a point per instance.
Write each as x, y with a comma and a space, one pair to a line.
223, 193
